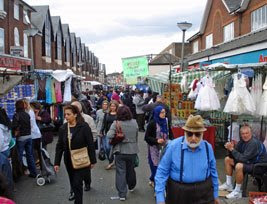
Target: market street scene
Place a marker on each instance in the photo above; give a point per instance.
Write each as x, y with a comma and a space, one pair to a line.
133, 101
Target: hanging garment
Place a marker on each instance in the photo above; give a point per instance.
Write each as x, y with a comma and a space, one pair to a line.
193, 92
41, 90
256, 92
184, 87
36, 88
58, 92
240, 100
263, 101
67, 90
53, 91
48, 91
207, 98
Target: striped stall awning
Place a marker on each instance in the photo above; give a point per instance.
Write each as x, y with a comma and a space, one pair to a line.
158, 81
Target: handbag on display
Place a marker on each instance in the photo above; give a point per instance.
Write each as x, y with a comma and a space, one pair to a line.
79, 157
46, 127
119, 136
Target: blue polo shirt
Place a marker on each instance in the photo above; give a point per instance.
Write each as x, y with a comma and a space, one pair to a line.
196, 167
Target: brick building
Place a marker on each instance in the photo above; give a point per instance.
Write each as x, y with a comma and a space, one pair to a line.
233, 32
15, 18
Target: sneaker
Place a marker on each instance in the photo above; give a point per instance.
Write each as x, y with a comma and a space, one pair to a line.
226, 187
234, 194
71, 196
122, 199
131, 190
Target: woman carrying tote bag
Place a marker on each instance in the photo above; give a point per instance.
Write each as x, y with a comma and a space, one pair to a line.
73, 137
125, 151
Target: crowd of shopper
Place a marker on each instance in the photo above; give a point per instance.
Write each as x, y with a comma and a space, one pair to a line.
179, 167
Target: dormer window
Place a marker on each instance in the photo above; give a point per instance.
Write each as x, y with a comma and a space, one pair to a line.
2, 8
26, 18
47, 37
16, 10
68, 50
59, 46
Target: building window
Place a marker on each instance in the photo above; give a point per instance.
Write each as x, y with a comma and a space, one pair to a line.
16, 37
16, 11
2, 8
47, 37
195, 47
259, 18
59, 46
228, 32
26, 19
68, 50
209, 41
25, 45
2, 41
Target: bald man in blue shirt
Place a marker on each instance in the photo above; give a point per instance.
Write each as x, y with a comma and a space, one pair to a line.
189, 168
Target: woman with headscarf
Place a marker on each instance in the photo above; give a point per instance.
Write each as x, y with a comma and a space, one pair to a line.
157, 135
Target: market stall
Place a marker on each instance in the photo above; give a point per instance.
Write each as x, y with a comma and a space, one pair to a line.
209, 92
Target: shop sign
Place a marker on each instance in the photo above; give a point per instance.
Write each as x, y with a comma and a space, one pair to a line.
135, 66
13, 63
245, 58
17, 51
263, 58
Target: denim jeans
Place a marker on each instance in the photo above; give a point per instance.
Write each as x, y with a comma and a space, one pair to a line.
153, 169
107, 148
6, 153
27, 146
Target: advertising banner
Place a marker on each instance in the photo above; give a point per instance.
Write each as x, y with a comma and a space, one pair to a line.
134, 67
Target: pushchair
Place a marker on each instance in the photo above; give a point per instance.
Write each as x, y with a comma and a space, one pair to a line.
47, 169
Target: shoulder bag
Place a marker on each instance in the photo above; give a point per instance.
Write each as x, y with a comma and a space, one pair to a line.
79, 157
119, 136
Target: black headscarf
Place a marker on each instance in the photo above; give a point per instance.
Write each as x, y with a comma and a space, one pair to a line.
4, 118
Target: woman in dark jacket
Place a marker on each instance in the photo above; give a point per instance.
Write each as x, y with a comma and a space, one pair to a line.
21, 125
109, 117
43, 120
81, 137
157, 135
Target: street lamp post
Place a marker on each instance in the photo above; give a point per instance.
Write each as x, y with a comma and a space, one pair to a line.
31, 32
183, 26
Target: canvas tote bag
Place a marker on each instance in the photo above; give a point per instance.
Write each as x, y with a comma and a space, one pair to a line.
79, 157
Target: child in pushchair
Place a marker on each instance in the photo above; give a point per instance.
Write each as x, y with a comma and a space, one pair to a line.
47, 168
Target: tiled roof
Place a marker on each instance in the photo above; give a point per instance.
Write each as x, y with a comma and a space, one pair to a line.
164, 58
55, 24
38, 17
65, 29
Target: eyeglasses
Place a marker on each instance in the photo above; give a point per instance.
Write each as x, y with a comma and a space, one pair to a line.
197, 134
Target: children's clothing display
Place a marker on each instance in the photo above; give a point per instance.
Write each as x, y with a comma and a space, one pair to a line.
263, 101
48, 91
207, 98
240, 100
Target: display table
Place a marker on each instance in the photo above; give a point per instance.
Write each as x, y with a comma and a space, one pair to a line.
209, 134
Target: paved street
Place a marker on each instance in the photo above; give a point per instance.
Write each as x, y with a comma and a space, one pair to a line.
103, 184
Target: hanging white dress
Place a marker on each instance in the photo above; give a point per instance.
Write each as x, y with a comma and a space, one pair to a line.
263, 102
183, 84
207, 98
193, 90
67, 91
240, 100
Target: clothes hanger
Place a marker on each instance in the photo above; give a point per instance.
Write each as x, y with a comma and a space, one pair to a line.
239, 74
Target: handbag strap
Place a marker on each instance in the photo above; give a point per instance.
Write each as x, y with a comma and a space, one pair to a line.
118, 127
69, 136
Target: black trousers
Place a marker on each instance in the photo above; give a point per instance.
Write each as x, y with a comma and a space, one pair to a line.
76, 177
125, 173
87, 179
140, 119
190, 193
36, 145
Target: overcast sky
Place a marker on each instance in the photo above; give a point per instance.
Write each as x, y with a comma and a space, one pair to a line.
115, 29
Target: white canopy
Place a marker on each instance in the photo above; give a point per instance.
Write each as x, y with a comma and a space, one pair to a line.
62, 75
